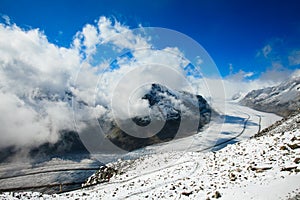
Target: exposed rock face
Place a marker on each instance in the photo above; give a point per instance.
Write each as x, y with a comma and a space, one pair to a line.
283, 99
102, 175
162, 99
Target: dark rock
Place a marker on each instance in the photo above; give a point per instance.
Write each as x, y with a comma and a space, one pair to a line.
294, 146
187, 193
289, 168
283, 148
259, 169
217, 195
232, 177
294, 139
296, 197
297, 160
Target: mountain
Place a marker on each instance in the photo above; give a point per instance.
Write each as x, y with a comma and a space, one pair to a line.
266, 166
282, 99
68, 145
170, 108
166, 105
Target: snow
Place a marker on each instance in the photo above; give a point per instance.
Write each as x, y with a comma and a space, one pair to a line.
50, 172
256, 165
282, 99
275, 190
263, 167
219, 130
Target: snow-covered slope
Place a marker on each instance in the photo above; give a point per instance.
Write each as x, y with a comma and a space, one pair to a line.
51, 173
265, 167
234, 123
282, 99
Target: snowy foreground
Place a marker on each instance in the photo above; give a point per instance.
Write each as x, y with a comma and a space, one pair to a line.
265, 167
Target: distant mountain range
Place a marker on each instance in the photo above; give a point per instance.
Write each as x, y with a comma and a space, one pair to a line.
283, 99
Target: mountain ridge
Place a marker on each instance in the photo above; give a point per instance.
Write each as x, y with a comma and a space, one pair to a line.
283, 99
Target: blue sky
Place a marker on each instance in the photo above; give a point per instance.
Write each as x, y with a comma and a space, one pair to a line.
253, 36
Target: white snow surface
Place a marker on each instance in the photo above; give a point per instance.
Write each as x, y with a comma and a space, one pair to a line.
37, 178
259, 168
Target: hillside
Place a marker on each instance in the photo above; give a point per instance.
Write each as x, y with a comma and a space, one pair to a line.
265, 167
282, 99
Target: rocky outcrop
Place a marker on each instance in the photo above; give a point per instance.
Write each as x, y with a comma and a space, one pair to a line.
100, 176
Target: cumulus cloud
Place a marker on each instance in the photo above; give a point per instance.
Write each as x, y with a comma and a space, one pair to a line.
38, 79
120, 35
42, 84
34, 76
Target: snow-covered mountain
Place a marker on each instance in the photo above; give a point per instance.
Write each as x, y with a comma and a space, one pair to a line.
282, 99
169, 107
264, 167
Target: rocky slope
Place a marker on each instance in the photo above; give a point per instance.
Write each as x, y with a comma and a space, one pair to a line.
266, 163
168, 107
282, 99
264, 167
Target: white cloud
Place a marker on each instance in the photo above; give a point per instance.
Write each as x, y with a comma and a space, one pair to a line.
25, 126
294, 57
120, 36
240, 75
36, 74
90, 35
276, 74
34, 77
248, 74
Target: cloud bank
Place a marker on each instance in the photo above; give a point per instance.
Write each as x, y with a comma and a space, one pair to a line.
40, 82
